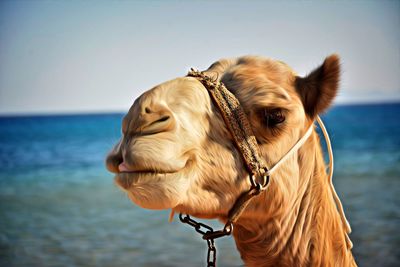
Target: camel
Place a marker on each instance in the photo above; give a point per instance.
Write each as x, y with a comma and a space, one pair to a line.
176, 153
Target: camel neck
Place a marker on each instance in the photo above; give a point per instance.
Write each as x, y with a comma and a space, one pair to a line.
303, 228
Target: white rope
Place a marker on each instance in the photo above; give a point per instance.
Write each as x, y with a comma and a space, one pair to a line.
296, 146
338, 203
293, 149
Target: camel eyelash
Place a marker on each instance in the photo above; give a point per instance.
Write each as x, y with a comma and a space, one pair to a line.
272, 117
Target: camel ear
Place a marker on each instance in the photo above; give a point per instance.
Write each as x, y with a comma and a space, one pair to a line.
318, 89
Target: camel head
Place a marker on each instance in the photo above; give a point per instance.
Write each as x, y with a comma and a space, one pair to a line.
177, 153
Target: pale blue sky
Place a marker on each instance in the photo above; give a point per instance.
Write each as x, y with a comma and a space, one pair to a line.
73, 56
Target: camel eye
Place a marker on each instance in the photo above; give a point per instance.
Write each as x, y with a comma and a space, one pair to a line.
273, 117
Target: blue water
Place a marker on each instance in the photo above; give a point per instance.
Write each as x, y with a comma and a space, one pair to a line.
59, 206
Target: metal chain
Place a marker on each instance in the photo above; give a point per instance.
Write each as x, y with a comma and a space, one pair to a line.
211, 253
209, 235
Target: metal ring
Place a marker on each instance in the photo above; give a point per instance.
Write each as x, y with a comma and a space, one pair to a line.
266, 177
265, 180
228, 228
252, 180
183, 219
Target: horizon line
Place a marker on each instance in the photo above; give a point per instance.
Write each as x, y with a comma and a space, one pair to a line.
118, 111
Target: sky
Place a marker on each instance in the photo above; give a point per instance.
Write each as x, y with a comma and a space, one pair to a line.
98, 56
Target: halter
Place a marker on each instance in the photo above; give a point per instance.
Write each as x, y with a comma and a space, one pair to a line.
259, 174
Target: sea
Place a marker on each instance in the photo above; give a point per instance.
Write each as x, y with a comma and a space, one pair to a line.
60, 207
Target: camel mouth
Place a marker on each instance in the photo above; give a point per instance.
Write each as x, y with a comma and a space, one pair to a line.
132, 178
128, 179
148, 172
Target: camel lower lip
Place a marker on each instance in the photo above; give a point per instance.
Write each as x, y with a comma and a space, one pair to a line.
147, 172
127, 179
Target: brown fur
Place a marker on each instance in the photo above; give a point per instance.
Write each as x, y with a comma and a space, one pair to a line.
319, 88
181, 156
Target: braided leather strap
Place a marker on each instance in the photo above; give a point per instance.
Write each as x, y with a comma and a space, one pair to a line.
236, 120
244, 139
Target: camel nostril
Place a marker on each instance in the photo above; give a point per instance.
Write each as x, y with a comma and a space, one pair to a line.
161, 123
160, 120
165, 118
147, 110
